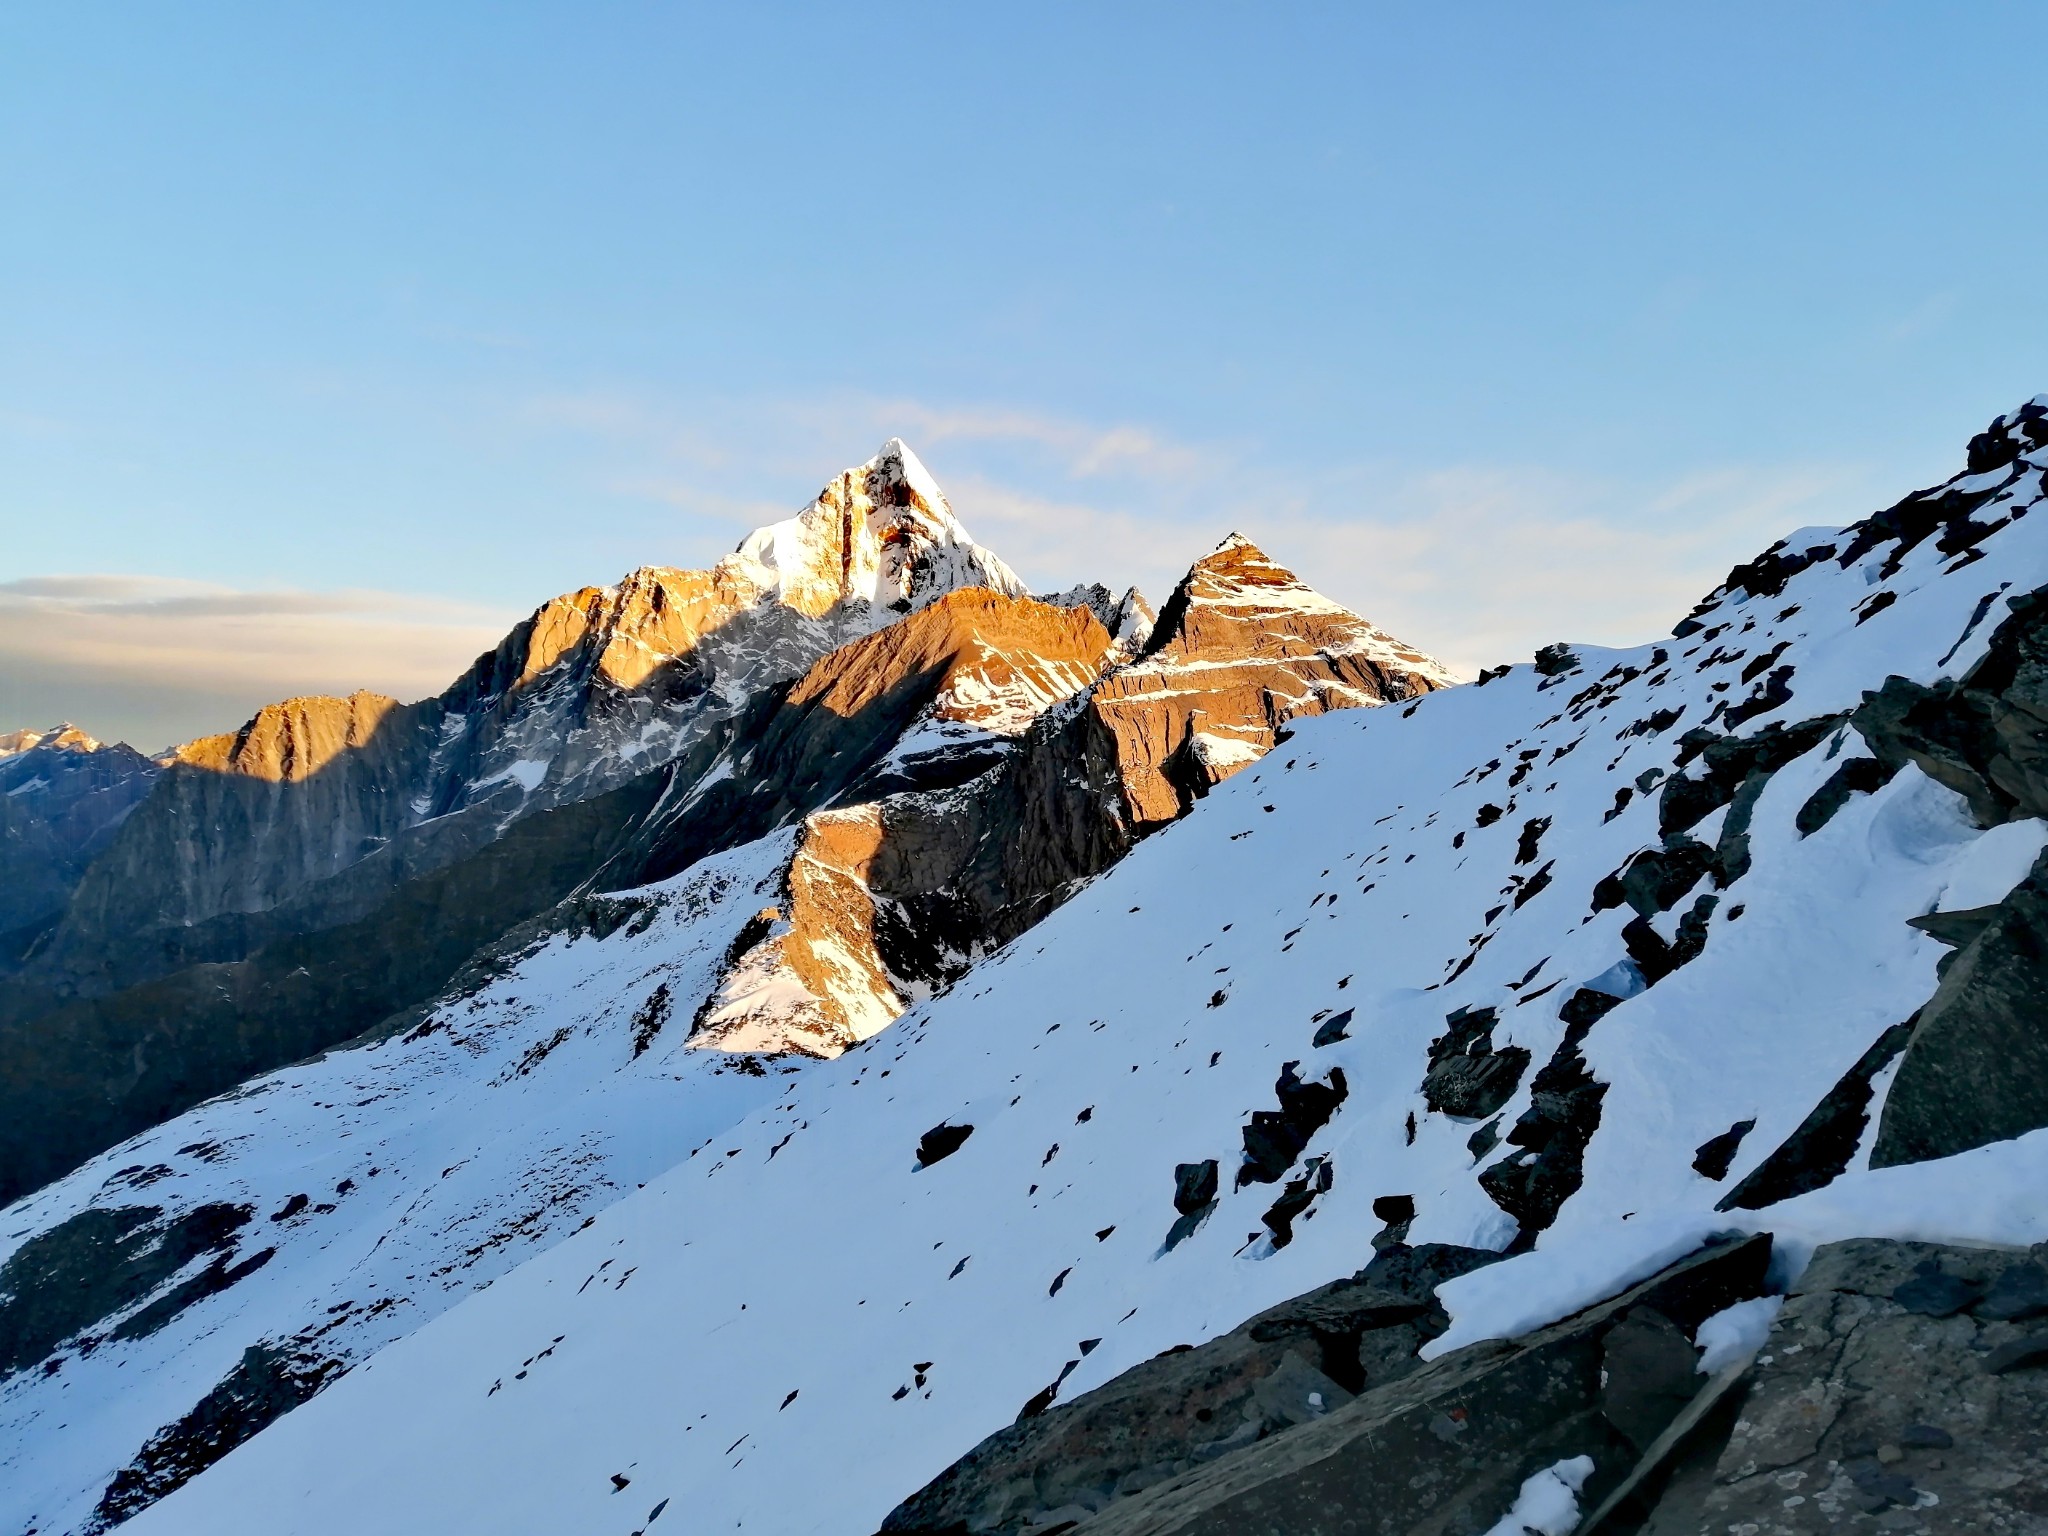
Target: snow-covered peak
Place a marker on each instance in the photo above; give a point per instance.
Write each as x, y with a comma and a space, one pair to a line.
65, 737
881, 533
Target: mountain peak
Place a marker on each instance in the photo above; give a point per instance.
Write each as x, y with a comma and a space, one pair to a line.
1238, 596
881, 534
66, 736
896, 460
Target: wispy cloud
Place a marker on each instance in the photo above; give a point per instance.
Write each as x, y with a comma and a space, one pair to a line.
153, 659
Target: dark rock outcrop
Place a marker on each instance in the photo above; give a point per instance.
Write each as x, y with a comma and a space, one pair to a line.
1433, 1447
1467, 1077
103, 1261
266, 1383
1900, 1380
1976, 1065
1289, 1365
1550, 1138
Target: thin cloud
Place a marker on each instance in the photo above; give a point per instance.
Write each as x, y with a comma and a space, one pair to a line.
155, 660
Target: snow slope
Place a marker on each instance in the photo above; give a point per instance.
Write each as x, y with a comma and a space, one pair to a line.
794, 1330
386, 1183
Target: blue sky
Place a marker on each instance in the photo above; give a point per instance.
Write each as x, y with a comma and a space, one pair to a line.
334, 338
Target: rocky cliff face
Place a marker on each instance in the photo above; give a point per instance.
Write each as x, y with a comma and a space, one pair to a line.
63, 796
1061, 756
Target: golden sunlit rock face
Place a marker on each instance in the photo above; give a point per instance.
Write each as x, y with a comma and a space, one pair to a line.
1242, 647
886, 900
288, 742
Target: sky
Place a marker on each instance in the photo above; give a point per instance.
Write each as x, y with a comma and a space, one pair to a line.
334, 339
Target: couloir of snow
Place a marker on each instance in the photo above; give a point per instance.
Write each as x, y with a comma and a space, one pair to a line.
794, 1329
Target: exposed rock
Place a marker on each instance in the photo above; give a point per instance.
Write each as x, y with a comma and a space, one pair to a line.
1985, 735
1241, 647
1647, 1375
1467, 1077
1976, 1063
1190, 1406
1727, 763
267, 1382
1331, 1030
1717, 1153
100, 1263
1550, 1138
1269, 649
321, 816
1816, 1153
1864, 1412
1858, 776
941, 1142
1273, 1139
1446, 1447
840, 963
1194, 1186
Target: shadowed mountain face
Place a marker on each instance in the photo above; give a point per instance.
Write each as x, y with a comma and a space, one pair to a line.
862, 666
63, 796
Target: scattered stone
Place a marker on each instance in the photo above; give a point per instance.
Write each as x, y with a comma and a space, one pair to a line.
1716, 1154
1194, 1186
1333, 1029
1466, 1077
1275, 1138
941, 1142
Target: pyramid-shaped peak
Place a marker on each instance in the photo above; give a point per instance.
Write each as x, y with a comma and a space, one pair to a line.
881, 533
1238, 600
895, 477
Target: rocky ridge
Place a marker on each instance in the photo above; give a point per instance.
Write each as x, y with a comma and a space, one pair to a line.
595, 688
